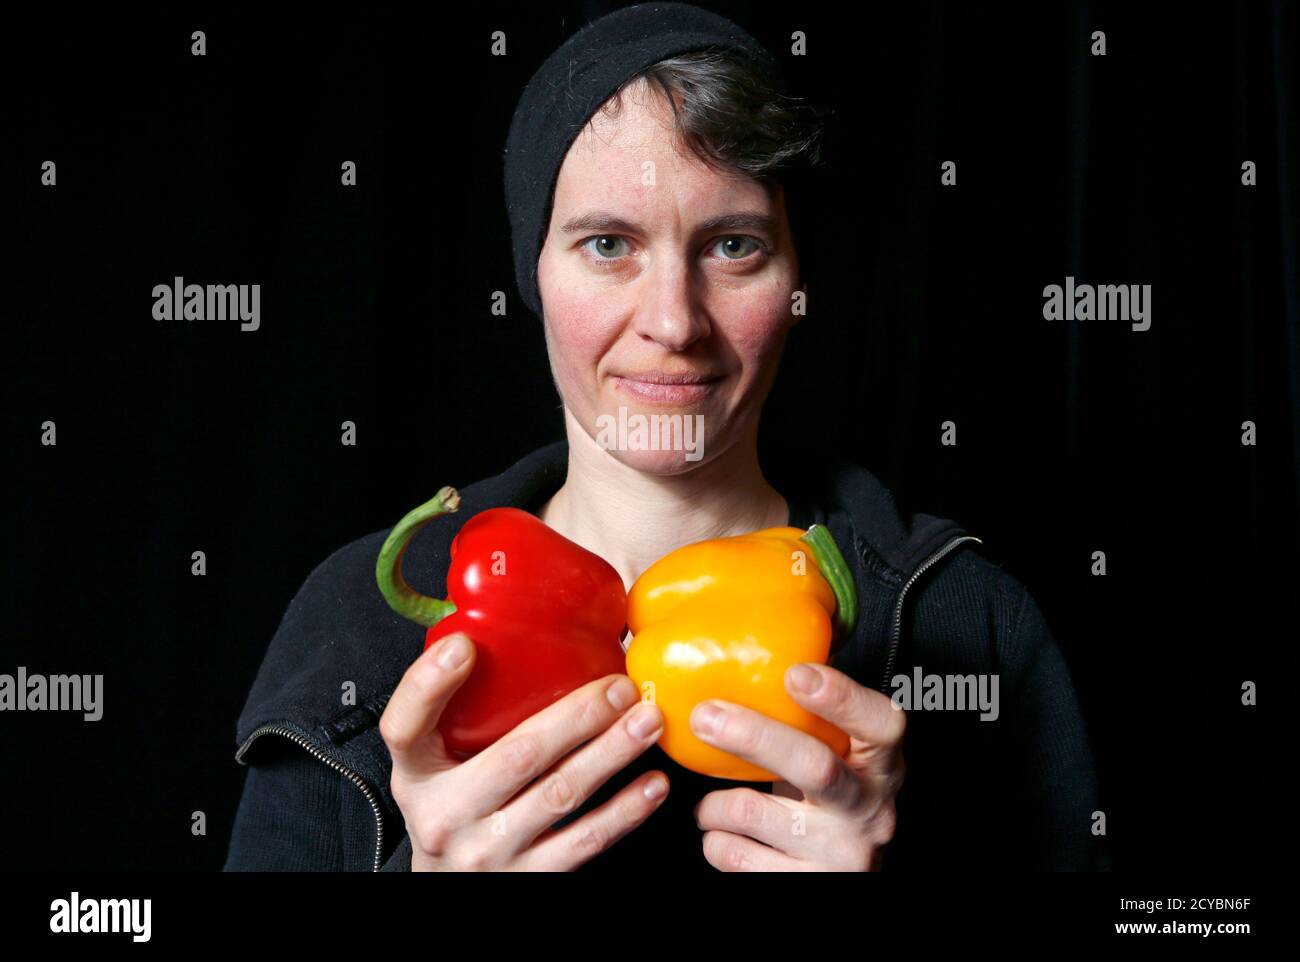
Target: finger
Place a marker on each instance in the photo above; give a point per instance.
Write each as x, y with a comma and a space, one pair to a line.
570, 783
595, 832
777, 822
873, 722
409, 724
495, 775
733, 853
804, 761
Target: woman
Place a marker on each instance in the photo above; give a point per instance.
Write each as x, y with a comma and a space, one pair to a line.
648, 172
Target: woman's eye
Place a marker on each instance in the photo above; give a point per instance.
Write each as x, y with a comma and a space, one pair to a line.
606, 246
734, 248
611, 247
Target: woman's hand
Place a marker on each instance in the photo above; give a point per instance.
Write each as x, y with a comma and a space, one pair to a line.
846, 814
494, 811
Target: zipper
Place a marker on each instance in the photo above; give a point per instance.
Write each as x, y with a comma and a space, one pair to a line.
348, 773
898, 605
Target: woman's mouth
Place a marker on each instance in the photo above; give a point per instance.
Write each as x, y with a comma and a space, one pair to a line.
666, 388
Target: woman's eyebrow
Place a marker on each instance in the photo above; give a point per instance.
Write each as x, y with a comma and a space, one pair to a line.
599, 221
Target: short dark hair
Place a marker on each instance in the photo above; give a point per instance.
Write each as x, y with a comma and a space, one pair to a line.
733, 120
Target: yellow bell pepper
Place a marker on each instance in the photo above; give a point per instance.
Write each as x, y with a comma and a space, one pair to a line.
724, 619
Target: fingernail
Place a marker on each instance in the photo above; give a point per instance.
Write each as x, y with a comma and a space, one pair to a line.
656, 787
455, 649
706, 719
807, 680
644, 721
621, 693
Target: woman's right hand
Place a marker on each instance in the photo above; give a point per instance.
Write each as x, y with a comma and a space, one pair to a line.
494, 811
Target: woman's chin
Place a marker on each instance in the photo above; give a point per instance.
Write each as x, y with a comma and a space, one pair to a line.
662, 462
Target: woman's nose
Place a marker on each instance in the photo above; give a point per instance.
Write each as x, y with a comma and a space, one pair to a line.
669, 309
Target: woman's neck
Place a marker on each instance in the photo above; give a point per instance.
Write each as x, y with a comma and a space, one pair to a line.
632, 519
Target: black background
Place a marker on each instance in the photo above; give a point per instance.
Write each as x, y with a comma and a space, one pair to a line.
1073, 437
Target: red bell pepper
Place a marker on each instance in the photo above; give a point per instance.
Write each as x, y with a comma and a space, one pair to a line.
546, 615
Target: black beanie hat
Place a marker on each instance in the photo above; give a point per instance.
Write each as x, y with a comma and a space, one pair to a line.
571, 86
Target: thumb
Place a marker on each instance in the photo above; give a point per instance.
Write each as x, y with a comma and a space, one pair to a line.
409, 725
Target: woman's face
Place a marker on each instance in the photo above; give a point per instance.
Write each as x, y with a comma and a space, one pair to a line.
655, 266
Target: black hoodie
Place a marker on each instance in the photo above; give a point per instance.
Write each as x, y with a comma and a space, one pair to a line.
1013, 792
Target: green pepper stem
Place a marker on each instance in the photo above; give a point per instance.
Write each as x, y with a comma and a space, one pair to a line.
830, 563
401, 597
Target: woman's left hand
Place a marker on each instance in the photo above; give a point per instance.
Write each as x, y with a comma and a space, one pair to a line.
846, 814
